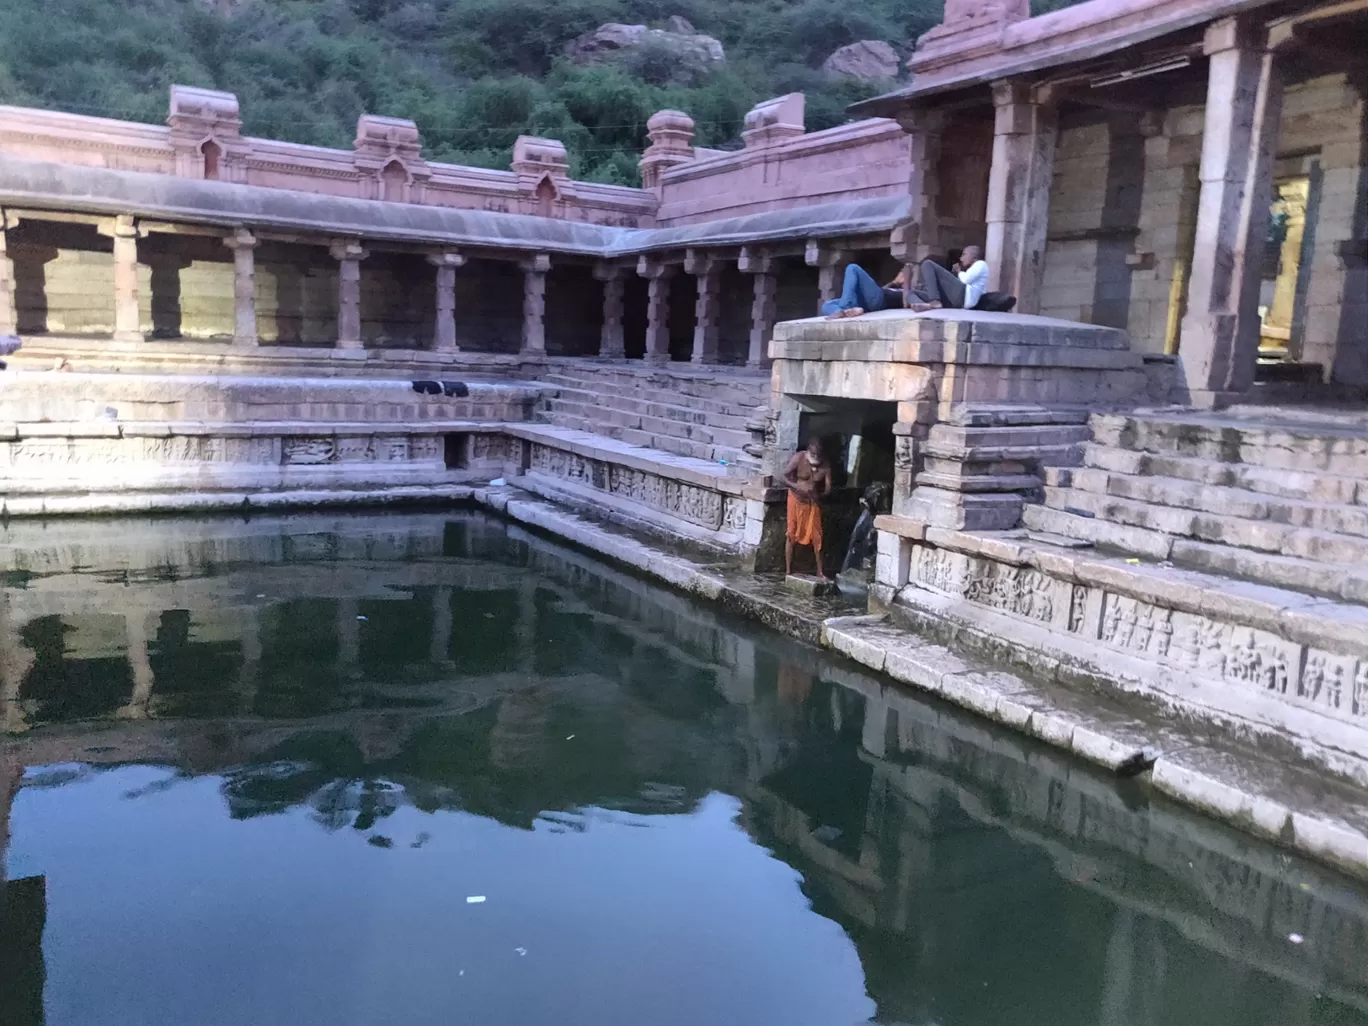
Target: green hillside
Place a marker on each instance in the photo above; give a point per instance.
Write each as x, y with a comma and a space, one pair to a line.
473, 74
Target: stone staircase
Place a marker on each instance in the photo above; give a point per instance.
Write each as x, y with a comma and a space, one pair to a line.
708, 415
1274, 496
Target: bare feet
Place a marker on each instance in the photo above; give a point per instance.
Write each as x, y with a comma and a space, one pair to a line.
923, 307
854, 311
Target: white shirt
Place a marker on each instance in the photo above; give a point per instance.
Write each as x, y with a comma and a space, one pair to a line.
975, 283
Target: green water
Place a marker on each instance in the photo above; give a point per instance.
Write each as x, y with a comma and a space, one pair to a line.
257, 770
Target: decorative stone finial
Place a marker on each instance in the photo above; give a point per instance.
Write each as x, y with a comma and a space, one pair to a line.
775, 120
671, 133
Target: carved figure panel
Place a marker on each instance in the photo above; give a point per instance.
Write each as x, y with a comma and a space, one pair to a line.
309, 450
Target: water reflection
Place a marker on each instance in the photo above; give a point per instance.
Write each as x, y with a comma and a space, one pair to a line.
274, 758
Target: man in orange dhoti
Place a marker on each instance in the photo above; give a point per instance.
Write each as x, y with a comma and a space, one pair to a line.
808, 478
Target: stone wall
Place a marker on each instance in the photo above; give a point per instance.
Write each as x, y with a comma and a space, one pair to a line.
1123, 210
861, 160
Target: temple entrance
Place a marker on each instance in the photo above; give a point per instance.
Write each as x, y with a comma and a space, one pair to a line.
1282, 294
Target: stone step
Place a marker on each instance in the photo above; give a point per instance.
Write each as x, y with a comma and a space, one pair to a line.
667, 411
1290, 484
1330, 517
1305, 575
748, 392
698, 404
1275, 442
612, 418
1260, 535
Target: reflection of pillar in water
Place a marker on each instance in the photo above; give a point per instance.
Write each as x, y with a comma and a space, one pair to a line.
525, 630
250, 674
10, 774
348, 637
136, 624
738, 684
439, 649
793, 685
15, 660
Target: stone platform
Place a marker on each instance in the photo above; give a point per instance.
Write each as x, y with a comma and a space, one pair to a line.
1216, 564
982, 400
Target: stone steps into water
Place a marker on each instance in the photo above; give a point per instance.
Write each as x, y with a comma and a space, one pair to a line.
1257, 789
702, 415
1264, 494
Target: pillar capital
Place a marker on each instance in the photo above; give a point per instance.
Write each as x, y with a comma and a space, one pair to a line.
447, 258
242, 238
654, 267
539, 263
1234, 33
607, 270
698, 261
755, 261
822, 254
348, 249
121, 226
921, 120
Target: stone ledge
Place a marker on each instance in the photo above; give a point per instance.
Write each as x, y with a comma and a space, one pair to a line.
186, 502
598, 447
1254, 793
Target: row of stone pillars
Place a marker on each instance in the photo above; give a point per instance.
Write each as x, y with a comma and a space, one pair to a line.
658, 270
1221, 324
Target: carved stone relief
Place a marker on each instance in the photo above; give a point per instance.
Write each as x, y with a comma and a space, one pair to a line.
1240, 656
309, 450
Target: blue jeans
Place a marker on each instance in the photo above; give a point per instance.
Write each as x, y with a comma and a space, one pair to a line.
859, 290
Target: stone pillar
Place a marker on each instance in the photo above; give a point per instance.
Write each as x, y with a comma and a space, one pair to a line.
611, 343
127, 321
9, 317
534, 304
444, 332
763, 303
243, 244
918, 237
1220, 333
439, 645
829, 268
1024, 135
658, 275
707, 271
349, 255
139, 661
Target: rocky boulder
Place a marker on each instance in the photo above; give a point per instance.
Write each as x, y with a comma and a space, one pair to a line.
869, 60
611, 42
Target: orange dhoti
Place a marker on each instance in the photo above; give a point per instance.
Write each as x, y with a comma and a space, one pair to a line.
804, 521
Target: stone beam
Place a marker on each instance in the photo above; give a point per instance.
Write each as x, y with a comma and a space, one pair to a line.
1220, 332
1024, 135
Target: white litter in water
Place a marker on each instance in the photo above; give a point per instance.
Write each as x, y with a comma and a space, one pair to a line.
261, 596
571, 737
1295, 938
498, 482
362, 618
475, 899
521, 951
461, 973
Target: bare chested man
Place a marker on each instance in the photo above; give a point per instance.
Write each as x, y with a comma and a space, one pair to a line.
808, 478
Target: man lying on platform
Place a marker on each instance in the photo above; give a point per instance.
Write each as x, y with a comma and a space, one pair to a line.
959, 288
